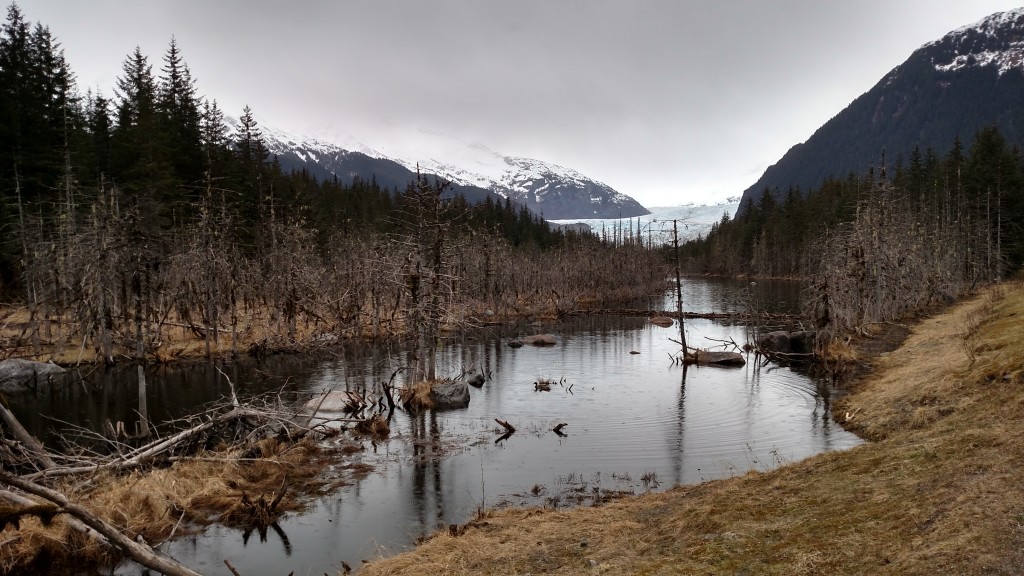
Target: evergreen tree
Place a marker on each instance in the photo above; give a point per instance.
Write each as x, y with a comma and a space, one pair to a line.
99, 126
181, 120
252, 157
217, 156
138, 159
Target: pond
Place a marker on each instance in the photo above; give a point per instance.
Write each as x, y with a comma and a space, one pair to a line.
634, 422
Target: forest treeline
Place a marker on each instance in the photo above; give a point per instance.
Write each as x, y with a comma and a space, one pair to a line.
122, 216
884, 243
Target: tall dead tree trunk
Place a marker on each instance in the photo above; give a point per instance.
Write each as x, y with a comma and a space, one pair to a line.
679, 286
140, 352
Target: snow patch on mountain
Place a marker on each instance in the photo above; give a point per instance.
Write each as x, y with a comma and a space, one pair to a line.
984, 43
545, 188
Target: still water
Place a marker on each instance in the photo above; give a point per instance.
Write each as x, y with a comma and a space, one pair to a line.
635, 422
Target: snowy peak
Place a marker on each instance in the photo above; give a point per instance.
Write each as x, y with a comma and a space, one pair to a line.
996, 41
554, 191
477, 171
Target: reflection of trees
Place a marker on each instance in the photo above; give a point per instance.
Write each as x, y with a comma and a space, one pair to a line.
427, 488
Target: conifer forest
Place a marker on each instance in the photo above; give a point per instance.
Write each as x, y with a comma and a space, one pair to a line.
127, 216
131, 214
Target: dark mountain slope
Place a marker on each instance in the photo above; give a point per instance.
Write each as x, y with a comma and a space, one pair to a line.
971, 78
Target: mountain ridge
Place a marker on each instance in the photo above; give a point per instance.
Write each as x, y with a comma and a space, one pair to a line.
947, 89
547, 189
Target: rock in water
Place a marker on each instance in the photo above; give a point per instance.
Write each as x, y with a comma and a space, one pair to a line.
720, 358
18, 374
775, 342
449, 395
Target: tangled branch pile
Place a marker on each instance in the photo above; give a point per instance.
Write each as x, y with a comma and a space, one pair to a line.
244, 465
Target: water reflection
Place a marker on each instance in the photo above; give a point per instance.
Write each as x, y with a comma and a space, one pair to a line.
634, 421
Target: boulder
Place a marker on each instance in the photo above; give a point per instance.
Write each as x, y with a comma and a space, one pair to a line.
515, 343
477, 381
663, 321
540, 340
449, 395
18, 374
706, 358
775, 342
802, 341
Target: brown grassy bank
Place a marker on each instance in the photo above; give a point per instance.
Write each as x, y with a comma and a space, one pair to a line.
939, 490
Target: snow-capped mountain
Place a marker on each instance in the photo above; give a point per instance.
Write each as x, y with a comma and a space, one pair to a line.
475, 170
971, 78
554, 191
996, 41
692, 220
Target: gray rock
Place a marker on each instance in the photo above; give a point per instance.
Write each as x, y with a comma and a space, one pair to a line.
663, 321
450, 395
720, 358
802, 341
775, 342
477, 381
18, 374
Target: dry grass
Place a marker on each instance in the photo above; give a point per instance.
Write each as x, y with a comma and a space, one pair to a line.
181, 497
417, 396
939, 491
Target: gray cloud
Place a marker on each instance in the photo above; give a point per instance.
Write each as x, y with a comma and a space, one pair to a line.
669, 101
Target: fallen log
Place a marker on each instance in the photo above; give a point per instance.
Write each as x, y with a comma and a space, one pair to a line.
72, 522
33, 446
146, 453
138, 551
130, 460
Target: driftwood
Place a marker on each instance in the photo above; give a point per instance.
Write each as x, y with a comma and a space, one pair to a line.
508, 427
33, 447
139, 551
231, 568
132, 459
146, 453
509, 430
239, 424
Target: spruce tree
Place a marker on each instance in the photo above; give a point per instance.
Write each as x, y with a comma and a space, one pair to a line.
139, 160
181, 121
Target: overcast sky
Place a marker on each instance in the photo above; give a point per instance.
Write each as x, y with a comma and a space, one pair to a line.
668, 101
